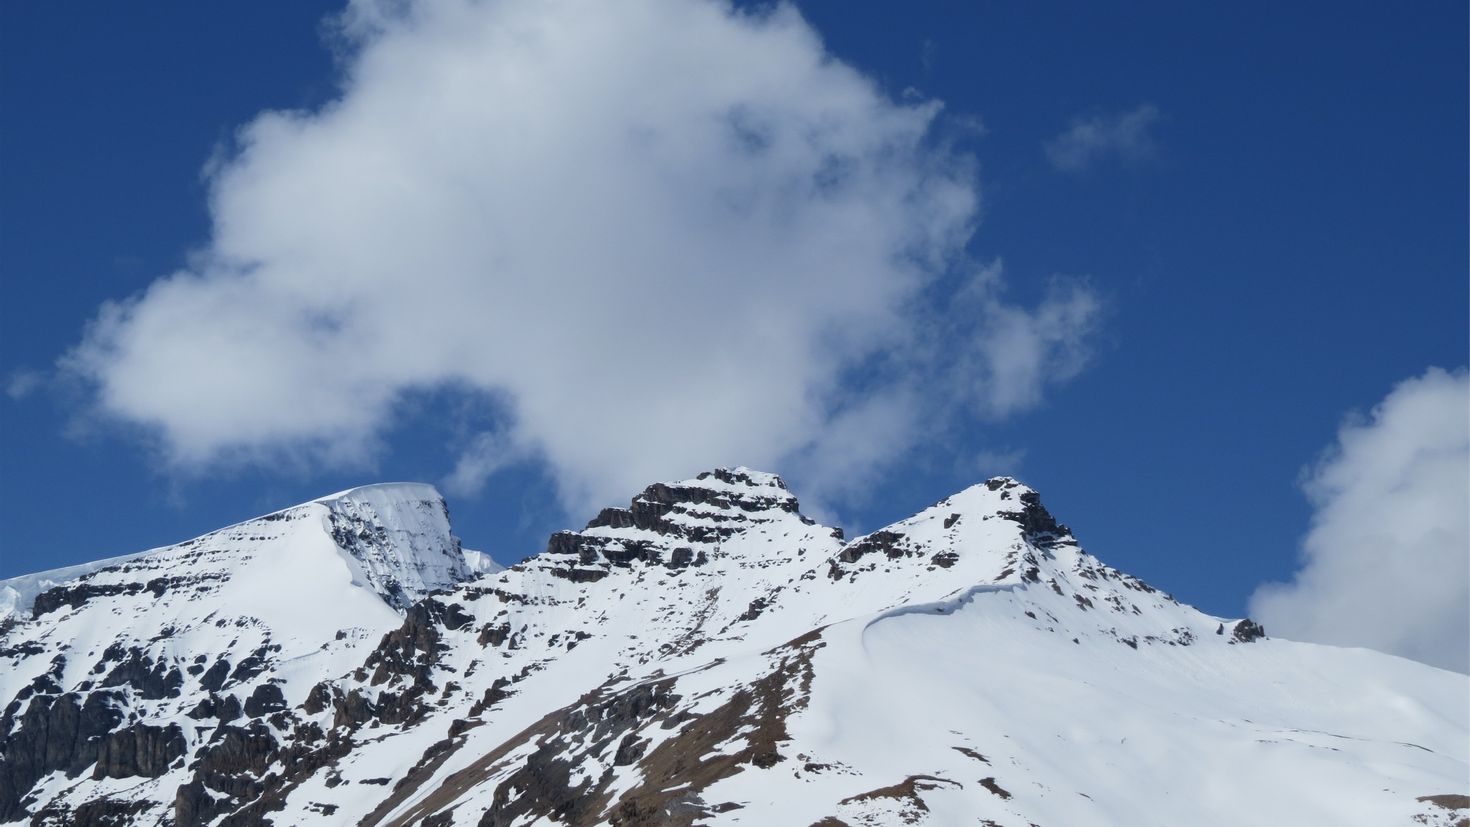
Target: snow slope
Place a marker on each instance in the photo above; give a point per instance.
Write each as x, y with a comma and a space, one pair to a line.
18, 593
709, 655
245, 618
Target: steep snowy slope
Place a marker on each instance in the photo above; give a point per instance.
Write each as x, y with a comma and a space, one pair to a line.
708, 655
119, 671
18, 593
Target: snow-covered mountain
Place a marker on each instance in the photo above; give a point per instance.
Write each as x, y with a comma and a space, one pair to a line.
706, 655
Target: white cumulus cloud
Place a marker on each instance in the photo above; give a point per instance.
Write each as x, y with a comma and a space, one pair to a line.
1386, 564
662, 234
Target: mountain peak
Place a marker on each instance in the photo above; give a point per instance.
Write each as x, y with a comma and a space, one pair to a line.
395, 537
727, 489
714, 504
678, 524
386, 493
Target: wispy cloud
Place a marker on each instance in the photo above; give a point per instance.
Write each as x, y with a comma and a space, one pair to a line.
666, 234
1385, 564
1000, 462
486, 454
1090, 140
23, 383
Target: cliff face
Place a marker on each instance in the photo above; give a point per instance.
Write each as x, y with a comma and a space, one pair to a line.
705, 655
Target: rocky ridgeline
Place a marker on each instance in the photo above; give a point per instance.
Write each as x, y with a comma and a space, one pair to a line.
674, 525
627, 675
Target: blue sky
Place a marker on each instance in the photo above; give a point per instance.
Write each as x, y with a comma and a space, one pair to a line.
1223, 228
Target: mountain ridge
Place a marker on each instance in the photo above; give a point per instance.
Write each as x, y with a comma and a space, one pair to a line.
708, 654
379, 500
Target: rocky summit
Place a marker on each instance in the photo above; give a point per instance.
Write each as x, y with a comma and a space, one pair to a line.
705, 655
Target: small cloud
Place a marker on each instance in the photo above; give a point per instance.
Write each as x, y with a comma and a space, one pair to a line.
927, 52
23, 383
1015, 353
1000, 462
1384, 564
487, 453
1087, 141
967, 125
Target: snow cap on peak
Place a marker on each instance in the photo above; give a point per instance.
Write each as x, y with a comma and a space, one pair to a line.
387, 493
748, 476
1003, 497
997, 489
739, 481
738, 490
396, 539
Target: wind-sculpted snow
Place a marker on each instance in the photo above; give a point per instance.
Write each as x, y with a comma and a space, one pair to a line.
395, 537
125, 669
705, 655
18, 594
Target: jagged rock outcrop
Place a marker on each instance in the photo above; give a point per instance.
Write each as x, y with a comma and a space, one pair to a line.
55, 733
138, 750
673, 525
